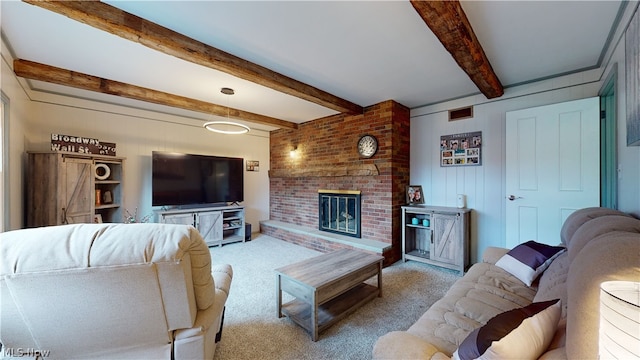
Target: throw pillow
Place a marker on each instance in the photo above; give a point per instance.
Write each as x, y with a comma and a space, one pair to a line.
523, 333
528, 260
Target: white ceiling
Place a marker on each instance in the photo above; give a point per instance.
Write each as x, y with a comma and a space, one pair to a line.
362, 51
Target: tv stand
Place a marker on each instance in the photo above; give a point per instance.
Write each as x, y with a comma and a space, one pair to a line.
218, 225
194, 206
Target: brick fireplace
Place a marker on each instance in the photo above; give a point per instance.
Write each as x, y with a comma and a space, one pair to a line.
326, 157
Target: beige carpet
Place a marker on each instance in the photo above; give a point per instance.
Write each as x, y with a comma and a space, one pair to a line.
252, 329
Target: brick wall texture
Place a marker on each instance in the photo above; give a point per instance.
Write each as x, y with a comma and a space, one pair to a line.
331, 143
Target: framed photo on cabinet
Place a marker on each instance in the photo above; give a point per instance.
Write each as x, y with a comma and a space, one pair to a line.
414, 195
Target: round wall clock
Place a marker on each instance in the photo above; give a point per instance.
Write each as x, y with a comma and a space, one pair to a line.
367, 146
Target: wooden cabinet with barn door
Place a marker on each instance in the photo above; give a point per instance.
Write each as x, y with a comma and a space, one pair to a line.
69, 188
436, 235
218, 225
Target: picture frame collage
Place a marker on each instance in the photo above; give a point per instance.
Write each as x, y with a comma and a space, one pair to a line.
463, 149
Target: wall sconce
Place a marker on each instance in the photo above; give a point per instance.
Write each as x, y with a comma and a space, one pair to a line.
294, 153
619, 333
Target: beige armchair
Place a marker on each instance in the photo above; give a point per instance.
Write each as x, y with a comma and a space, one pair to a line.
135, 291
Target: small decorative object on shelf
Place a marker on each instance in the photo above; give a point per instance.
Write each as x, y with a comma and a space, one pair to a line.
102, 171
461, 201
130, 218
107, 197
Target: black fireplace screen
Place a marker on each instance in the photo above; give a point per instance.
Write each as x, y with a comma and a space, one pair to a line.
339, 212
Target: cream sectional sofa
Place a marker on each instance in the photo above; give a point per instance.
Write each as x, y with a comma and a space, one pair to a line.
601, 244
111, 291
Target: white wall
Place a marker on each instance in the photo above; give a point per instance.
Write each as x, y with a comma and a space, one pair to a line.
19, 112
136, 133
485, 185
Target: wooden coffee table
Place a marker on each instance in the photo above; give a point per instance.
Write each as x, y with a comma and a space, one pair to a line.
327, 288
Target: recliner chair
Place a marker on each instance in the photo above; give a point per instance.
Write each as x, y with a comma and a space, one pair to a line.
134, 291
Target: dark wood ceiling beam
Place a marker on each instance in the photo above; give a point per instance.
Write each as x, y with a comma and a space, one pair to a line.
36, 71
449, 23
115, 21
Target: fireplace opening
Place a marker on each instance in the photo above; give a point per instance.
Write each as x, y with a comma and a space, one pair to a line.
339, 212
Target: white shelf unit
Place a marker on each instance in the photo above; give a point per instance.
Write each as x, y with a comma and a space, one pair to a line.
218, 225
109, 206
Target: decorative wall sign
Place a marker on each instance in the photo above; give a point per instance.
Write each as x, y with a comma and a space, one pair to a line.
461, 149
77, 144
81, 145
253, 165
107, 148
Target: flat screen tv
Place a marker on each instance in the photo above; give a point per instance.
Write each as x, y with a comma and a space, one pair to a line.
193, 180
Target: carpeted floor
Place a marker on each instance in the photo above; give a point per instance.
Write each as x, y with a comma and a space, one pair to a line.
252, 329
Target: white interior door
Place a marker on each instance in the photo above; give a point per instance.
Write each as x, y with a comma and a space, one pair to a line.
552, 168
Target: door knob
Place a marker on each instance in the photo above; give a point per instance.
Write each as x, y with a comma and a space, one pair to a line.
513, 197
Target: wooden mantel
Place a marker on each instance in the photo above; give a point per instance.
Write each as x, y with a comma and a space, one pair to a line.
326, 171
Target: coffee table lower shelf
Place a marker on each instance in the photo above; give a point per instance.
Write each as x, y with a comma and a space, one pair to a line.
331, 311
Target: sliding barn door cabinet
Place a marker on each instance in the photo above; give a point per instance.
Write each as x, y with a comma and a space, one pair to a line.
69, 188
218, 225
436, 235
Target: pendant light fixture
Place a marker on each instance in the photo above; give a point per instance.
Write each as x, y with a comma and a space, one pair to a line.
226, 127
